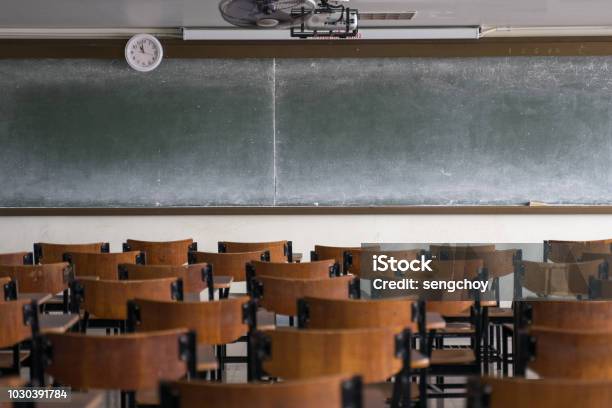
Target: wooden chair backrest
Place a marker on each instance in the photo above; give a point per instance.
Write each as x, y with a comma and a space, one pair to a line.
592, 256
572, 315
102, 265
360, 313
303, 270
548, 393
321, 392
15, 258
46, 278
215, 322
190, 274
128, 362
281, 295
228, 264
576, 354
107, 299
449, 252
13, 329
298, 354
278, 249
162, 253
499, 262
572, 251
545, 279
448, 308
363, 257
324, 252
53, 253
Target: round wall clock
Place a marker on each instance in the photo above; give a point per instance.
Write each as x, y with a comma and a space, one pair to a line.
143, 52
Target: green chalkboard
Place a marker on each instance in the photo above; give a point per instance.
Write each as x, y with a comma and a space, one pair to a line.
340, 132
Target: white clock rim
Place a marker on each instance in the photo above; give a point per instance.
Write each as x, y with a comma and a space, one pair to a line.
138, 67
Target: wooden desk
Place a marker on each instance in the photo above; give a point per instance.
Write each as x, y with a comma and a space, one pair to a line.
57, 323
40, 298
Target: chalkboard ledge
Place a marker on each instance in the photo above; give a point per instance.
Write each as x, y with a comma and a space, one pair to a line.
308, 210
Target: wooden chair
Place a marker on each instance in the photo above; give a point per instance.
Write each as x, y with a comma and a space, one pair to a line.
395, 314
42, 278
15, 327
326, 313
163, 253
565, 353
565, 314
455, 361
103, 265
17, 258
106, 300
321, 392
46, 278
129, 362
557, 279
229, 264
53, 253
557, 314
216, 323
373, 354
280, 251
342, 255
280, 295
572, 251
493, 392
195, 277
303, 270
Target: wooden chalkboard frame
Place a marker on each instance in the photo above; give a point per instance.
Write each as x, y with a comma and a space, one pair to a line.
321, 210
175, 48
486, 47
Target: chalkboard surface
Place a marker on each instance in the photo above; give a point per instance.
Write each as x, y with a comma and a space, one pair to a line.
80, 133
98, 134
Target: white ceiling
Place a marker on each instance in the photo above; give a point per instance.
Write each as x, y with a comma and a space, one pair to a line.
204, 13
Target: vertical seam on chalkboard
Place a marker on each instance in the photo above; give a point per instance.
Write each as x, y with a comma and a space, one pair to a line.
274, 127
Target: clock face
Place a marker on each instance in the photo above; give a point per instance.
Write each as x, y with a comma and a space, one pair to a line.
143, 52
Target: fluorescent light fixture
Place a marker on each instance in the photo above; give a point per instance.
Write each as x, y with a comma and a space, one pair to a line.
396, 33
546, 31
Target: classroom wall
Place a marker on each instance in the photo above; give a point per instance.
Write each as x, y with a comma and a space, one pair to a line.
18, 233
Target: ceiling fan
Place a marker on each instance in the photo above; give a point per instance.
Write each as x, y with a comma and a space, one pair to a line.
303, 18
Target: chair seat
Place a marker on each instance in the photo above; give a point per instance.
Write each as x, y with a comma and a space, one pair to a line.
457, 328
452, 356
6, 358
379, 394
207, 361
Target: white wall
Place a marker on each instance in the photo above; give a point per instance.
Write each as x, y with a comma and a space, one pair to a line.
18, 233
